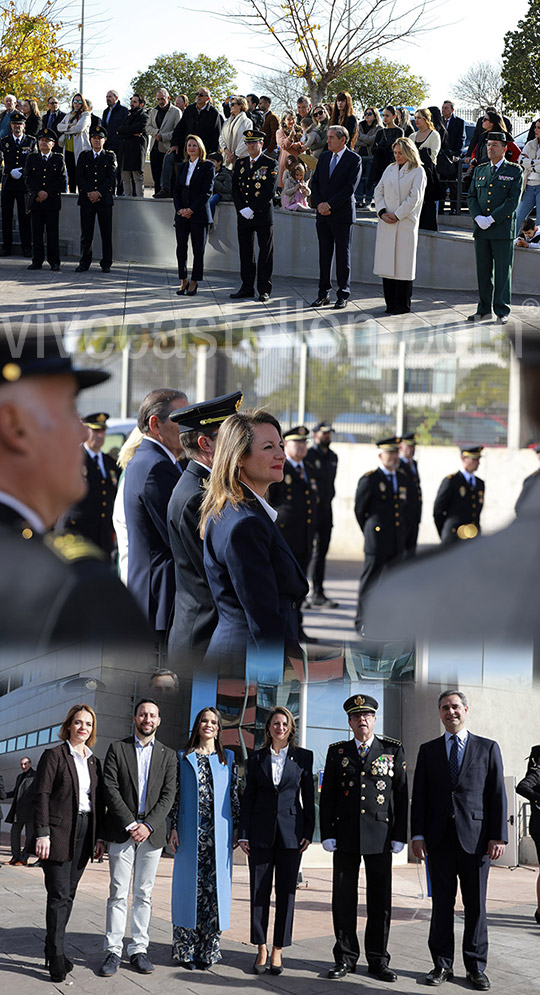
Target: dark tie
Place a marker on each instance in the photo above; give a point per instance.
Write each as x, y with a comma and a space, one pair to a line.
301, 472
453, 760
333, 163
493, 169
96, 463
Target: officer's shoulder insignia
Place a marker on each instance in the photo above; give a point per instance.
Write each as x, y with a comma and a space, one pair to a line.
342, 742
450, 476
389, 739
368, 473
71, 547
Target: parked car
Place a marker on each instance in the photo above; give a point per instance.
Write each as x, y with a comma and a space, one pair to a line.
118, 430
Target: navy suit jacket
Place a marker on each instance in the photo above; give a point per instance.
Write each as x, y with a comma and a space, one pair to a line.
149, 482
197, 195
289, 807
338, 189
116, 117
478, 799
255, 580
456, 131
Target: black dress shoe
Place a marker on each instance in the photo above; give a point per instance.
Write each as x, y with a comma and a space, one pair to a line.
340, 303
479, 316
241, 294
81, 269
264, 297
276, 969
438, 975
55, 267
320, 302
383, 973
34, 266
340, 970
57, 968
162, 195
479, 980
536, 914
105, 269
191, 293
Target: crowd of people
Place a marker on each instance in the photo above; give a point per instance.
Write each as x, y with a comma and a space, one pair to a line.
227, 141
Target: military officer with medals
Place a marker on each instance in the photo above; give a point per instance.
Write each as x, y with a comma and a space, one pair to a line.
92, 516
295, 499
363, 815
408, 464
96, 180
45, 177
323, 461
14, 149
493, 199
253, 187
383, 509
460, 500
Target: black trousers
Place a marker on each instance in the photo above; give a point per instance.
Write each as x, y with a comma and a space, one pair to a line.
89, 213
61, 880
378, 867
156, 165
184, 227
15, 839
334, 236
45, 221
262, 865
320, 548
446, 864
71, 169
12, 195
249, 268
374, 567
428, 216
397, 294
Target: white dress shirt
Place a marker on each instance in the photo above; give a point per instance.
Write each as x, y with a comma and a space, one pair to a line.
83, 776
271, 512
278, 763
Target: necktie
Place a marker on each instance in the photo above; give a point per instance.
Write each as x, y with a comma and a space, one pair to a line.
493, 169
301, 472
363, 750
333, 163
453, 760
473, 482
96, 462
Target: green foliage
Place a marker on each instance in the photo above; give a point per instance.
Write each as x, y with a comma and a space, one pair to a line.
30, 46
180, 74
521, 64
483, 388
378, 82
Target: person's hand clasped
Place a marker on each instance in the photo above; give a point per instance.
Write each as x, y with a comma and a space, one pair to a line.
324, 208
329, 845
389, 219
139, 833
247, 213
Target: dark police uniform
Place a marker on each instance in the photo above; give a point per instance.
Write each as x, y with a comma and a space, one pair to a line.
47, 174
322, 462
295, 499
363, 807
253, 185
458, 507
13, 155
384, 517
495, 193
96, 172
415, 516
92, 516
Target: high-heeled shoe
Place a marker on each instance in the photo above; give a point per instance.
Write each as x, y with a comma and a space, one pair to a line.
182, 290
57, 968
276, 968
191, 293
260, 968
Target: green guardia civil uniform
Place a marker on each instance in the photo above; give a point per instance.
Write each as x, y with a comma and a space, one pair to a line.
495, 193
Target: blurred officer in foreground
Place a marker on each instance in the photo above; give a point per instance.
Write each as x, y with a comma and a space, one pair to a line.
14, 148
529, 482
363, 815
322, 461
96, 181
460, 500
48, 581
92, 516
407, 462
45, 177
489, 588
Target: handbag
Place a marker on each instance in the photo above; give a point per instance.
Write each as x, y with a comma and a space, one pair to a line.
446, 167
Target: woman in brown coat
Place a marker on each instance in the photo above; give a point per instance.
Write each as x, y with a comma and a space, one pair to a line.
68, 810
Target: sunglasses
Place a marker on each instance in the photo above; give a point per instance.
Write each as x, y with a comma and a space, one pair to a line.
318, 113
77, 101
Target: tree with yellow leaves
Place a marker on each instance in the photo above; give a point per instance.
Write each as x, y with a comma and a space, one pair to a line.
31, 46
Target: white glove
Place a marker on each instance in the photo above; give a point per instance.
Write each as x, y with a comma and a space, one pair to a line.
329, 845
248, 213
16, 174
396, 847
483, 222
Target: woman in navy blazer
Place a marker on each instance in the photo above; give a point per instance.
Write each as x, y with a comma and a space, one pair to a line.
277, 818
255, 580
191, 195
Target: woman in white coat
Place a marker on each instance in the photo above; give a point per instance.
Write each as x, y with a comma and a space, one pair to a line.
75, 128
231, 140
398, 202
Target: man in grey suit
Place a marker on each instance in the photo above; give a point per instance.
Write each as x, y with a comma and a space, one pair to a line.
21, 813
139, 778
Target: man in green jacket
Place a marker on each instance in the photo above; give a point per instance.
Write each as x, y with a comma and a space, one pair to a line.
493, 198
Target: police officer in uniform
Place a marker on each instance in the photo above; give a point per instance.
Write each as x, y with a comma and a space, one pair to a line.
460, 500
92, 516
383, 509
493, 199
45, 177
295, 499
14, 149
96, 180
253, 186
322, 462
363, 815
407, 462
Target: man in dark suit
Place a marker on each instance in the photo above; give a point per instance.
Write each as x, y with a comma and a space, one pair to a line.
195, 614
200, 118
133, 144
92, 516
45, 177
139, 778
96, 181
15, 148
151, 476
52, 115
455, 129
363, 815
49, 579
253, 187
460, 500
458, 821
114, 115
409, 465
332, 194
21, 813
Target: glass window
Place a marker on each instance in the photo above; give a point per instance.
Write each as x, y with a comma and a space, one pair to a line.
3, 746
21, 742
31, 739
43, 736
11, 745
55, 733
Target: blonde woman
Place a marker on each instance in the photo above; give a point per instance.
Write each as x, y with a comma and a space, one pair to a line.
398, 203
75, 127
232, 133
428, 143
127, 451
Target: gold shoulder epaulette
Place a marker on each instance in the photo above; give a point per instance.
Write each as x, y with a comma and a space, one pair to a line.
368, 473
341, 742
70, 547
390, 739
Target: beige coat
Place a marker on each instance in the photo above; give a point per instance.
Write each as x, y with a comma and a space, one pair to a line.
78, 130
400, 192
232, 135
168, 125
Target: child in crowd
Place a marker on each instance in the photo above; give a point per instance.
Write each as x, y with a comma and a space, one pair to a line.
529, 236
296, 191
